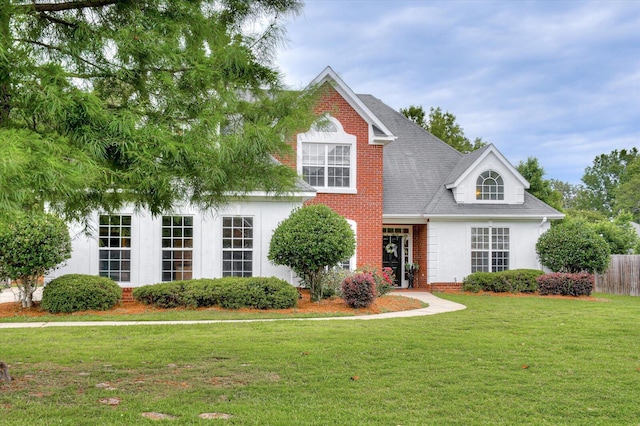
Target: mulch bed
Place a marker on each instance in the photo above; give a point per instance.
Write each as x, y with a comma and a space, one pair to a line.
335, 305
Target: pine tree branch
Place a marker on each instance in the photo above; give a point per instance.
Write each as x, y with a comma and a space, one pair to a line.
55, 20
70, 5
58, 49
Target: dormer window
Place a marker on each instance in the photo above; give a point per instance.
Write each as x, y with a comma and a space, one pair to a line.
326, 157
489, 186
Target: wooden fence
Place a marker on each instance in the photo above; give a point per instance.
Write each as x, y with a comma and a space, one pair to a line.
622, 277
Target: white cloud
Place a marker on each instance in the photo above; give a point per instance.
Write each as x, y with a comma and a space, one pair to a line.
556, 80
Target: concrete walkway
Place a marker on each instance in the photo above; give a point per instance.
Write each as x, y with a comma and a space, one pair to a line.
436, 306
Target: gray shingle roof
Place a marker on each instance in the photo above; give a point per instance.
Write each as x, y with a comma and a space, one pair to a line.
417, 166
465, 162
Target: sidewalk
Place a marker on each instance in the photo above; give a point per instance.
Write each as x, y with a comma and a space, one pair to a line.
11, 295
436, 306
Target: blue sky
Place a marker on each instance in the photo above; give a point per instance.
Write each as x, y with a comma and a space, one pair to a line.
557, 80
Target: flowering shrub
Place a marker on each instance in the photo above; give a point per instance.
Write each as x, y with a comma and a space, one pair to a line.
359, 290
566, 284
385, 279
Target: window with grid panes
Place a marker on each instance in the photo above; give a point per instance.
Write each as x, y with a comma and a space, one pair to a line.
237, 246
114, 241
489, 249
177, 248
326, 165
489, 186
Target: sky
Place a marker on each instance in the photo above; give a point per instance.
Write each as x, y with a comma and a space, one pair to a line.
558, 80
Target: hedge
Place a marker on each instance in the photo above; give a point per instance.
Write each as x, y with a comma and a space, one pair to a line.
77, 292
228, 292
513, 281
558, 283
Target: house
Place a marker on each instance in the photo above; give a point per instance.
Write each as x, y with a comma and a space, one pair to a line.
408, 196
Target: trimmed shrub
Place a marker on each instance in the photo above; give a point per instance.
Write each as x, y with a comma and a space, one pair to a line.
522, 280
228, 293
359, 290
311, 239
163, 295
478, 281
573, 246
273, 293
566, 284
513, 281
77, 292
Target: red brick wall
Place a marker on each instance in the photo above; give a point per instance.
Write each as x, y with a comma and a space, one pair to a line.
451, 287
365, 207
127, 294
420, 254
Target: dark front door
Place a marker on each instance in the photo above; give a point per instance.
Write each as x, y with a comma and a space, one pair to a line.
392, 255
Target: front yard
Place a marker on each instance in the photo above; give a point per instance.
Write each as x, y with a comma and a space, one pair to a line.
503, 360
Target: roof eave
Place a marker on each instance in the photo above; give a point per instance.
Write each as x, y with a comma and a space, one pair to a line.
496, 216
495, 151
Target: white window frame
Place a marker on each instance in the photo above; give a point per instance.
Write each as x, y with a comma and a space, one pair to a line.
493, 192
177, 248
247, 245
322, 138
492, 244
115, 238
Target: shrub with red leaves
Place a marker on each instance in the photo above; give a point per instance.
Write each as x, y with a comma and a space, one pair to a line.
580, 284
359, 290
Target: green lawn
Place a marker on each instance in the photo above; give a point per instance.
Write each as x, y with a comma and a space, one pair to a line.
502, 360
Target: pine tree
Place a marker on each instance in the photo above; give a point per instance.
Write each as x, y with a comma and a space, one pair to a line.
154, 102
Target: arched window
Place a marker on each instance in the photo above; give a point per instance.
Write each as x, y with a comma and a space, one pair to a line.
490, 186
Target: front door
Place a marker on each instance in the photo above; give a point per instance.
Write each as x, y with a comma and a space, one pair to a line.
392, 255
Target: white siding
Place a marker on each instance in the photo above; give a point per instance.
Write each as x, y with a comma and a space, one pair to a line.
465, 192
146, 250
449, 246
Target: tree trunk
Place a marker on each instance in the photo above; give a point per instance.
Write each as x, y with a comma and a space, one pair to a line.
315, 286
28, 285
5, 69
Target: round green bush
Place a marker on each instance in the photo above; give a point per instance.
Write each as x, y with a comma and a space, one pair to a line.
77, 292
573, 246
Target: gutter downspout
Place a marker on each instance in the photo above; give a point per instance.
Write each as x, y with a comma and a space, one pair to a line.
544, 220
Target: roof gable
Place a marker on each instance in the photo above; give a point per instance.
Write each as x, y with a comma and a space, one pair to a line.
474, 159
378, 131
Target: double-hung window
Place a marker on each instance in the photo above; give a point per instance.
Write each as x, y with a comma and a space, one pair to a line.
326, 165
114, 241
237, 246
326, 157
177, 248
489, 249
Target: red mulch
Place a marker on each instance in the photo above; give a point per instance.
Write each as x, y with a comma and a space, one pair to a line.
382, 304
